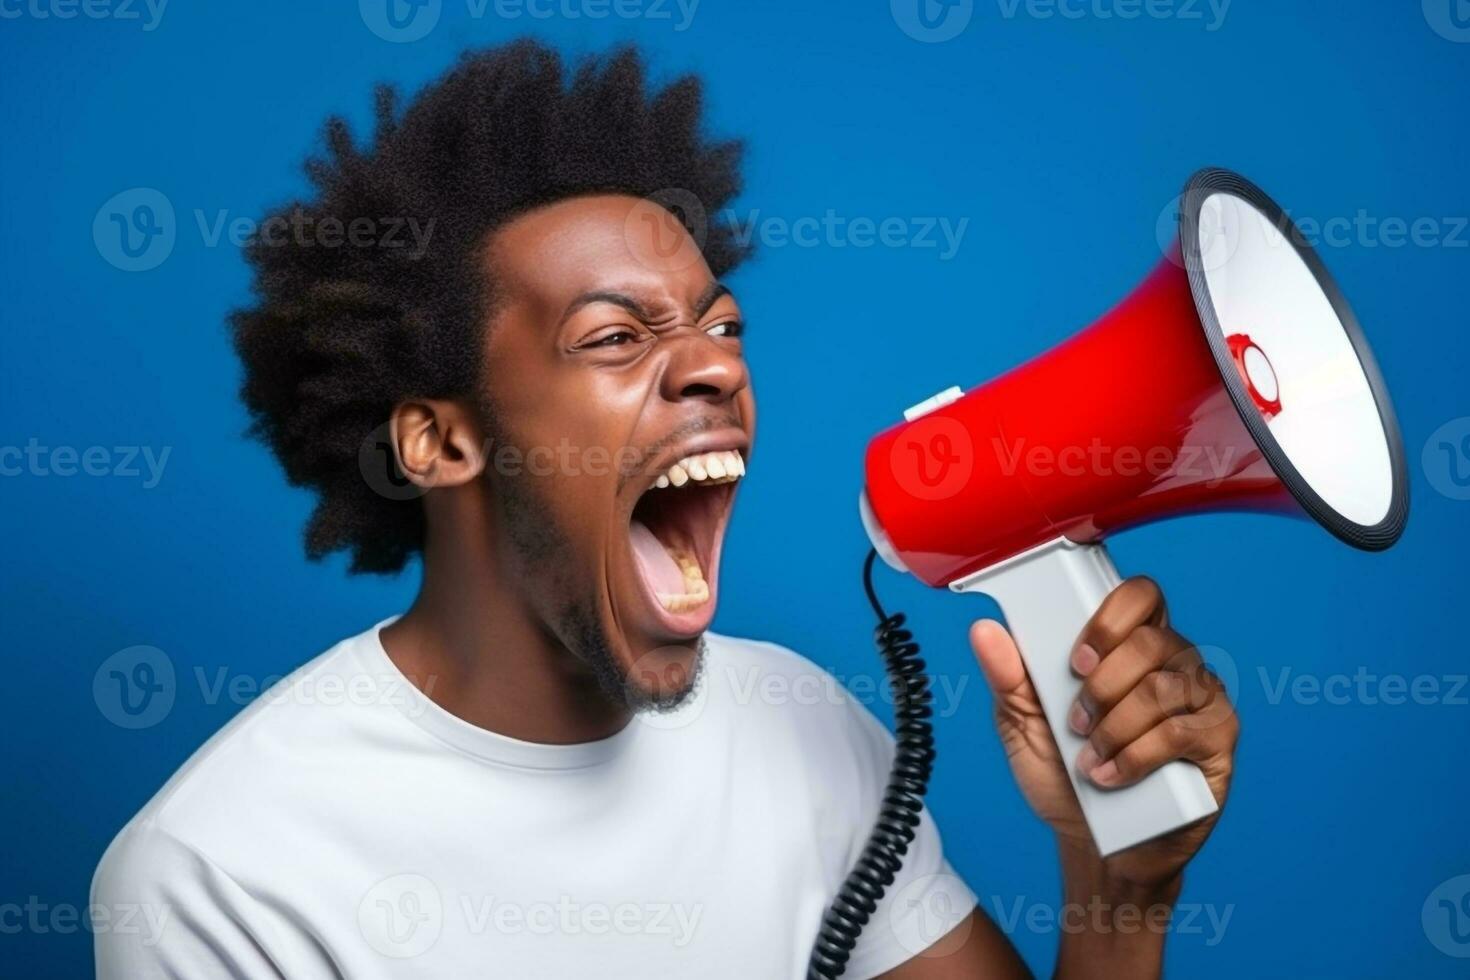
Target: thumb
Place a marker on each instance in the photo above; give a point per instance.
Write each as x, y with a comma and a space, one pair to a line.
1000, 661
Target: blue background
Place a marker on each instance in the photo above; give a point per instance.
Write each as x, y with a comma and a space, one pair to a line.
1060, 139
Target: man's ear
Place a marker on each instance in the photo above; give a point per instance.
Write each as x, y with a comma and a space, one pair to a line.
438, 443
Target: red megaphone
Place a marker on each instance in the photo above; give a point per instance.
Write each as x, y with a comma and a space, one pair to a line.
1234, 378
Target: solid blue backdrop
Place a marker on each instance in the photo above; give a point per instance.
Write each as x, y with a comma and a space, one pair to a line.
1047, 138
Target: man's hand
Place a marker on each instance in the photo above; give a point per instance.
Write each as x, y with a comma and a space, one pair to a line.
1147, 698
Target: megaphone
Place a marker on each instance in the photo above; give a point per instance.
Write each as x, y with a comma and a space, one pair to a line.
1235, 377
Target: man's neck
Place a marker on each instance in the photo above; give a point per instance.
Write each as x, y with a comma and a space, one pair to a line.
477, 649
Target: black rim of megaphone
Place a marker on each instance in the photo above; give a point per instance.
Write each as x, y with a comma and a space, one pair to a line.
1372, 538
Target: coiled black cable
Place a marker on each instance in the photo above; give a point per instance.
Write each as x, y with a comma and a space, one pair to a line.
913, 763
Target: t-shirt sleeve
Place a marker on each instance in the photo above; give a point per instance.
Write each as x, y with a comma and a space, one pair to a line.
927, 898
165, 911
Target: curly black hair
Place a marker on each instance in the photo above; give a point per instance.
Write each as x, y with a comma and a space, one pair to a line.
337, 336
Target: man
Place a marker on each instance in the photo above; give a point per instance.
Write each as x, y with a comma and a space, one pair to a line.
546, 768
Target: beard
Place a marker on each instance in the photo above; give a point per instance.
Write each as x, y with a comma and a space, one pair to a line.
651, 685
659, 681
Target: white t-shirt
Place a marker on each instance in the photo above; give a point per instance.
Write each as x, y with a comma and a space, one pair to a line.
346, 826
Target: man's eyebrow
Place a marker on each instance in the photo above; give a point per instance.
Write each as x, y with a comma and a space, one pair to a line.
702, 305
707, 298
605, 296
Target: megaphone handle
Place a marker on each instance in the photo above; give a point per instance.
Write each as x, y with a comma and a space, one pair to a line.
1047, 595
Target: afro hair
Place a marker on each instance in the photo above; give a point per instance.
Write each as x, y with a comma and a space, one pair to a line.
337, 336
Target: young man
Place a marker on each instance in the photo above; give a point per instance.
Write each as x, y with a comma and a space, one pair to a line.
546, 768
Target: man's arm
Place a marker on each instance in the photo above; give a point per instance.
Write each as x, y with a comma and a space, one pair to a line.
1115, 927
1110, 928
974, 948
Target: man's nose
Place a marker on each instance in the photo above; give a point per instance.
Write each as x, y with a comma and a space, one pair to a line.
701, 366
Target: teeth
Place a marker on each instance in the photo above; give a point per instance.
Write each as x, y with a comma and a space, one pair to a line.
686, 602
696, 589
709, 468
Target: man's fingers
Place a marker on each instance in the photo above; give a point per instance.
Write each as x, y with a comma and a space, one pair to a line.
1137, 602
1145, 651
1000, 661
1176, 689
1189, 736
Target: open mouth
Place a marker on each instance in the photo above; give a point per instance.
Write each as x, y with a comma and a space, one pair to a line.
675, 534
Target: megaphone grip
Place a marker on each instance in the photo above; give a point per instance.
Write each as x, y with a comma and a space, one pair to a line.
1047, 595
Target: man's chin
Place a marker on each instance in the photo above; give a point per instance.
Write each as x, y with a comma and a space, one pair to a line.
665, 677
633, 669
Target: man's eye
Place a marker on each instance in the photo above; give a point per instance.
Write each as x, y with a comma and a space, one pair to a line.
616, 339
729, 328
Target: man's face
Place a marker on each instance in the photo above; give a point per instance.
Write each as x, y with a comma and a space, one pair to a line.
613, 356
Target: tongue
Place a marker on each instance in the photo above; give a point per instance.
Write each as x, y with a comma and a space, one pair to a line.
654, 561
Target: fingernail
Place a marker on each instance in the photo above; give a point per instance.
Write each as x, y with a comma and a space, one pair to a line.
1105, 774
1079, 719
1087, 759
1084, 659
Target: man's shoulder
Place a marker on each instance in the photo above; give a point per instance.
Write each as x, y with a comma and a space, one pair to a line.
260, 758
143, 865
